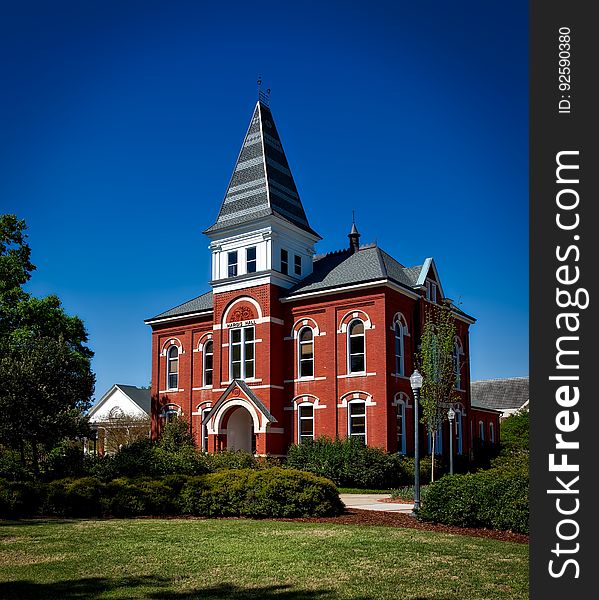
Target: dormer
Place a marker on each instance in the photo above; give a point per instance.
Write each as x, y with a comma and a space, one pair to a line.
261, 233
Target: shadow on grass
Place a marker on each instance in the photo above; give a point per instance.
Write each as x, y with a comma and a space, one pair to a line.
152, 587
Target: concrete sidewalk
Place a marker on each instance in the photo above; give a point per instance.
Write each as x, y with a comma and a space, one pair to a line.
371, 502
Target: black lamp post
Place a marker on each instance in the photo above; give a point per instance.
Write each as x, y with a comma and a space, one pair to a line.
416, 383
451, 417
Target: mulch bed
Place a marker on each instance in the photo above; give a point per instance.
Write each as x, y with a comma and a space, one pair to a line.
393, 519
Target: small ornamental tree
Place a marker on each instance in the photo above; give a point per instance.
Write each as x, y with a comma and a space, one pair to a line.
436, 364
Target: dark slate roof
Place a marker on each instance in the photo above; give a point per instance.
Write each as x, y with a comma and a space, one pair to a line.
199, 304
262, 183
337, 269
500, 394
140, 396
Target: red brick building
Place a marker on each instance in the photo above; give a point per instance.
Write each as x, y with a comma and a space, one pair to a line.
289, 345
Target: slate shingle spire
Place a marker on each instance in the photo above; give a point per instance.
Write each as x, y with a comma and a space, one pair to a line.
262, 183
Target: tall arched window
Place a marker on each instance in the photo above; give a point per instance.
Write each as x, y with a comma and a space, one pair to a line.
356, 419
399, 349
401, 426
172, 368
205, 412
481, 431
457, 363
306, 352
208, 363
491, 433
305, 422
356, 347
459, 437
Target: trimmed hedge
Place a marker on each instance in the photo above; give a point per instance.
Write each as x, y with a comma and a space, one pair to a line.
349, 463
271, 492
496, 498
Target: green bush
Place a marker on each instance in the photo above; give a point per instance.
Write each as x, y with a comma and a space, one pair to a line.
66, 459
273, 492
496, 498
20, 499
349, 463
514, 431
74, 497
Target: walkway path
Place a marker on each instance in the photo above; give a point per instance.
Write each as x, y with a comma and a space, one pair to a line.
371, 502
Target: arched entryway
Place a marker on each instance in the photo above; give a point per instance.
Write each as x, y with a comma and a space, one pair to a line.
240, 430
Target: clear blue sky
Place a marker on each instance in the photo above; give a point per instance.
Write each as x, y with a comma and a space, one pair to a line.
120, 122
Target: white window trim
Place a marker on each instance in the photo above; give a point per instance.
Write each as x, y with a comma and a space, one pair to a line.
236, 263
351, 373
207, 386
481, 431
204, 428
357, 401
242, 374
254, 260
491, 433
400, 367
299, 355
300, 419
168, 368
400, 406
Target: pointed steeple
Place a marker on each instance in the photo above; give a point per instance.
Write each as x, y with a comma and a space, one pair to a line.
354, 238
262, 183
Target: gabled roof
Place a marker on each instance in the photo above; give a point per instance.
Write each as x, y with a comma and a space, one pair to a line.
140, 396
345, 267
245, 388
262, 183
195, 305
501, 394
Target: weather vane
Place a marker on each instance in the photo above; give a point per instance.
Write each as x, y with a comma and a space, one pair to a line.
263, 97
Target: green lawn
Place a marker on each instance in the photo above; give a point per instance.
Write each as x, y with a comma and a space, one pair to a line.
254, 560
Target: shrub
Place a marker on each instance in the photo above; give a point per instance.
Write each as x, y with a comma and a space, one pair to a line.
65, 460
514, 431
74, 497
20, 499
273, 492
349, 463
12, 468
496, 498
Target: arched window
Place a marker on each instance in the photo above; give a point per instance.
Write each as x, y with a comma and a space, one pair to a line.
356, 419
205, 412
459, 437
208, 363
481, 431
170, 412
172, 368
305, 422
457, 363
306, 352
356, 347
491, 433
242, 360
401, 426
399, 348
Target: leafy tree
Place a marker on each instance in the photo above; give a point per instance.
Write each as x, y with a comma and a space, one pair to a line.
436, 364
45, 388
514, 432
46, 381
175, 436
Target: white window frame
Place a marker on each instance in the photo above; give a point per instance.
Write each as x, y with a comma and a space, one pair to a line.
481, 431
285, 262
169, 373
251, 260
398, 331
243, 343
204, 433
300, 437
234, 265
401, 415
349, 420
299, 353
492, 433
349, 355
205, 353
459, 431
458, 351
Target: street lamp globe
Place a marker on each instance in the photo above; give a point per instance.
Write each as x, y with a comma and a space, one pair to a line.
416, 380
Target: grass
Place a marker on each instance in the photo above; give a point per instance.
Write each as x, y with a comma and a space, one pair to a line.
181, 559
343, 490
